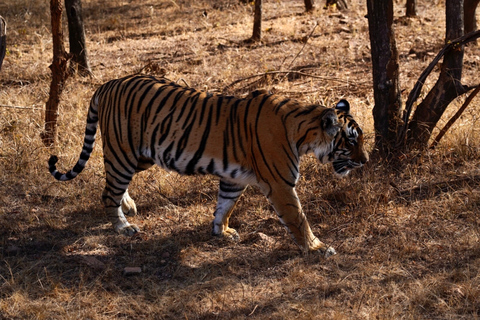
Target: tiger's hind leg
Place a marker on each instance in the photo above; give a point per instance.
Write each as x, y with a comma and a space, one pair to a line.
228, 195
117, 201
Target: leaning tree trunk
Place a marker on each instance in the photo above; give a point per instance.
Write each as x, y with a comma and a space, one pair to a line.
470, 22
3, 40
76, 37
59, 69
386, 88
448, 85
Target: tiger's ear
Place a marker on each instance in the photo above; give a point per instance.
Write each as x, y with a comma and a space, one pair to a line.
330, 122
343, 105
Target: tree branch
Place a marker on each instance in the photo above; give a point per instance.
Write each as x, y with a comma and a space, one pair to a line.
263, 74
415, 93
455, 117
21, 107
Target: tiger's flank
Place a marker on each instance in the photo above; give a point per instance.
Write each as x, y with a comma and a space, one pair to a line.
257, 140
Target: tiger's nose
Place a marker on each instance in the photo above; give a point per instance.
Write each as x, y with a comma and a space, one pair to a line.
364, 159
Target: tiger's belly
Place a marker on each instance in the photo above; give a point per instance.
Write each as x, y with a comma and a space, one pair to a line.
192, 164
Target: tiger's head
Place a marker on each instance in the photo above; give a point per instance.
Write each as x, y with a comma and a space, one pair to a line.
348, 150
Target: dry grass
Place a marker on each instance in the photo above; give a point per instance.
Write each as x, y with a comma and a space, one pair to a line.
404, 252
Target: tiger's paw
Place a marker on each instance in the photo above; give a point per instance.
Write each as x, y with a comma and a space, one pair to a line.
127, 229
231, 234
322, 248
227, 233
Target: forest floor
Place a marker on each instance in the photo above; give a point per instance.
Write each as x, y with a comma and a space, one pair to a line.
407, 237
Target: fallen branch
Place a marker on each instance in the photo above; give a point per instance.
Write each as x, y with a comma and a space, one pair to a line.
303, 47
441, 186
455, 117
21, 107
303, 74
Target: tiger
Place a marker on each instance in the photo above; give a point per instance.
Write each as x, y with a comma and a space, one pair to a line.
257, 140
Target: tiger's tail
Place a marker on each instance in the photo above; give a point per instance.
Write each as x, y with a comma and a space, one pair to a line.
88, 144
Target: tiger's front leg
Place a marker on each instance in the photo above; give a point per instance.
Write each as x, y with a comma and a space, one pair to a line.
289, 210
228, 195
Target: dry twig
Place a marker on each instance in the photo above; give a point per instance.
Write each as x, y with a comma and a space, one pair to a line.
455, 117
263, 74
33, 107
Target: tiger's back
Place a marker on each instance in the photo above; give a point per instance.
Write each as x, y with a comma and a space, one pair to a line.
144, 119
256, 140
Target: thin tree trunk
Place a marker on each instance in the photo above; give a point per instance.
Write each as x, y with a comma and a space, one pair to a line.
257, 21
448, 85
76, 36
411, 8
386, 112
59, 69
3, 40
309, 5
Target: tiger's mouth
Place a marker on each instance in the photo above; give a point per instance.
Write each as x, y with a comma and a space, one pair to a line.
343, 167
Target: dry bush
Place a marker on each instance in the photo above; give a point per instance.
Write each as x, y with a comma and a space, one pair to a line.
407, 238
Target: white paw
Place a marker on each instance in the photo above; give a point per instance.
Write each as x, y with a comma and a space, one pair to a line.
329, 252
127, 229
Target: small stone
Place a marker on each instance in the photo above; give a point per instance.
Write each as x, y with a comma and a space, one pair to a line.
93, 262
130, 271
12, 250
262, 237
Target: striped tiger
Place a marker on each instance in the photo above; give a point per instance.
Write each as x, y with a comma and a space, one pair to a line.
256, 140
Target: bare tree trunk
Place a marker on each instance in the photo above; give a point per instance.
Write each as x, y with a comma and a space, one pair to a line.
411, 8
3, 40
76, 37
309, 5
386, 112
448, 85
59, 69
470, 21
257, 21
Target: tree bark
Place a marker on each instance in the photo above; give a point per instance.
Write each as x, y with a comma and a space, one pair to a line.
470, 21
76, 37
59, 69
309, 5
3, 40
411, 8
257, 21
448, 85
386, 88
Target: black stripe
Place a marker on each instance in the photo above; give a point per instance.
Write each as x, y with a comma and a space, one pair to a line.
199, 153
183, 141
291, 184
211, 167
306, 111
260, 106
280, 104
219, 108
